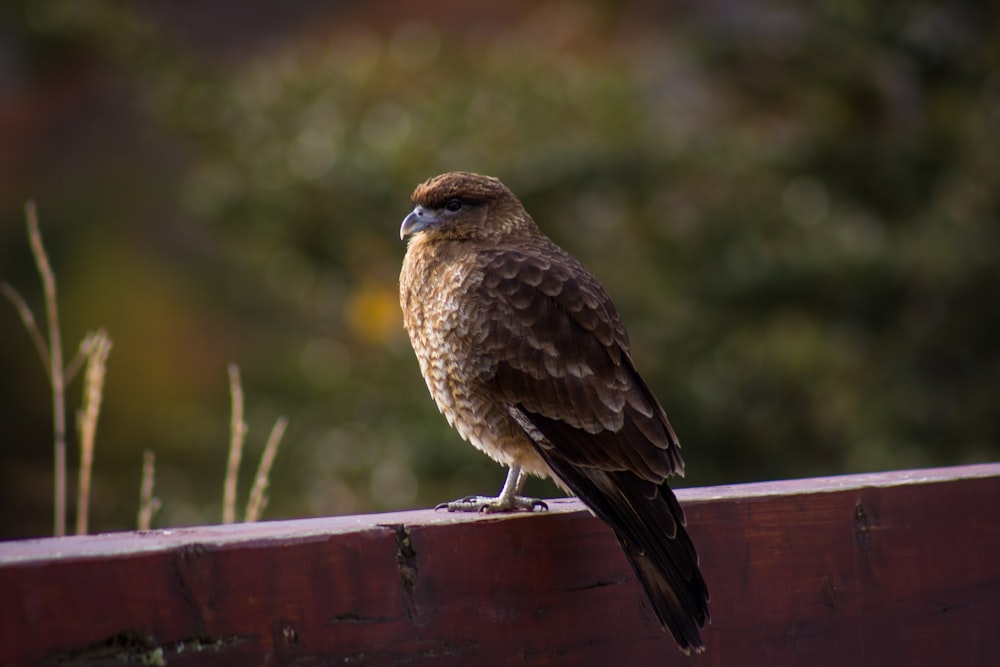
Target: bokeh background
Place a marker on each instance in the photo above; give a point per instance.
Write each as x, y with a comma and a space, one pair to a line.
794, 206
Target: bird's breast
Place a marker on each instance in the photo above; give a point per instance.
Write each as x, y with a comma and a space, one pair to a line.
448, 327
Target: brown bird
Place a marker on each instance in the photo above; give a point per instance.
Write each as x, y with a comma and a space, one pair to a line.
526, 356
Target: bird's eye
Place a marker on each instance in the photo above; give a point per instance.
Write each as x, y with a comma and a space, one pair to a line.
453, 205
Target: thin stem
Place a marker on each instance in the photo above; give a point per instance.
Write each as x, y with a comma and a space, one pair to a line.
55, 365
148, 505
258, 492
98, 346
76, 363
29, 323
237, 435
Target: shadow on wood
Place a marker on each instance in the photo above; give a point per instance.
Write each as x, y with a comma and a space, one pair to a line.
895, 568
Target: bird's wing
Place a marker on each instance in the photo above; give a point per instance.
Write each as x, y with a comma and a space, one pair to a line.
563, 369
561, 354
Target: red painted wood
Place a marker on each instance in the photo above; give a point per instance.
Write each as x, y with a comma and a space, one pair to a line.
895, 568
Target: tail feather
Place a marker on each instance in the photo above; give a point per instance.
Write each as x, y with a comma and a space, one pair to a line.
643, 512
649, 524
671, 609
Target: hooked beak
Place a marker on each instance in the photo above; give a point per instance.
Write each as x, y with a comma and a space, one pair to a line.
418, 220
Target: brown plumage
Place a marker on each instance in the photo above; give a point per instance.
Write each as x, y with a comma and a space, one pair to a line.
526, 356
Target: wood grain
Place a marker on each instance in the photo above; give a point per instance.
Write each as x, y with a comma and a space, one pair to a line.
894, 568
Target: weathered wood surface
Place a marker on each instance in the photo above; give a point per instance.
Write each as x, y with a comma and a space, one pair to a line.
900, 568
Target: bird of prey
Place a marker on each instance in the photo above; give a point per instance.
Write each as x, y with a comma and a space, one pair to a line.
525, 355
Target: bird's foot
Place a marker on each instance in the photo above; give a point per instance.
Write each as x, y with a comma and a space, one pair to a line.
488, 505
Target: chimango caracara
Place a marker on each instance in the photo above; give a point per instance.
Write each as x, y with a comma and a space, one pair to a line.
526, 356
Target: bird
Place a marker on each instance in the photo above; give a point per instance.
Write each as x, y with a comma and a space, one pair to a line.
526, 356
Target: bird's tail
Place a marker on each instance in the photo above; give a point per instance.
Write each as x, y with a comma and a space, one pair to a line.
677, 591
649, 524
645, 516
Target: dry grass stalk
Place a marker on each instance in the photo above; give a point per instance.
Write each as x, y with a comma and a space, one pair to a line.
96, 347
94, 350
237, 435
55, 365
51, 355
52, 361
148, 504
28, 318
258, 492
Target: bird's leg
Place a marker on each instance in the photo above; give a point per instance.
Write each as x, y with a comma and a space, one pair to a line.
509, 500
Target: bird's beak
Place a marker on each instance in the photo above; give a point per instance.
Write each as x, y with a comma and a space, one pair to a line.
418, 220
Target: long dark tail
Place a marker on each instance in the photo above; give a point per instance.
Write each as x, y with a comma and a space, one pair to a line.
668, 570
649, 525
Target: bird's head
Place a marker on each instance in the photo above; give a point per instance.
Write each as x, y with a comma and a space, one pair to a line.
464, 206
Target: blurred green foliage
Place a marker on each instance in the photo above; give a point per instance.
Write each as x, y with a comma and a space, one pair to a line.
795, 208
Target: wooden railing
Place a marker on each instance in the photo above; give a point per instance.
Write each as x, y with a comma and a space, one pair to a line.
900, 568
